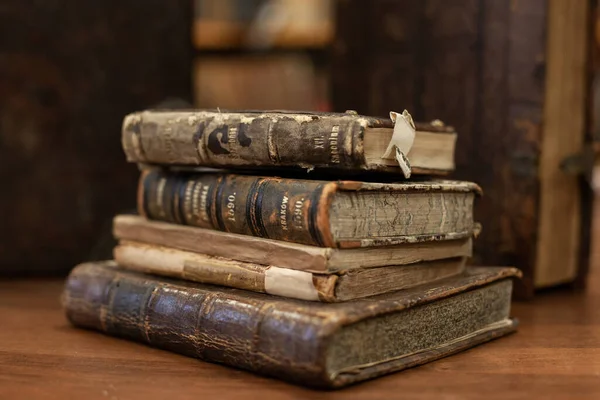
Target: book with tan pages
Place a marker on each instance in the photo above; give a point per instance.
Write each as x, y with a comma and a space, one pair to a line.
283, 140
308, 343
343, 214
344, 285
277, 253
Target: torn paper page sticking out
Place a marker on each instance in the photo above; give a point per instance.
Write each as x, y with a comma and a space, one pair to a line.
290, 283
402, 140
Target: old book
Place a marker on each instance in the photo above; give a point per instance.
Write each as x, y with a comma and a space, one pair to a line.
514, 78
344, 285
218, 138
322, 213
238, 82
221, 24
256, 24
283, 254
292, 24
313, 344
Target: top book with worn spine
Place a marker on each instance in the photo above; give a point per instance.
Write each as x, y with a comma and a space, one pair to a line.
281, 139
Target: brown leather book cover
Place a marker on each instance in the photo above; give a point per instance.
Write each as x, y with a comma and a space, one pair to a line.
303, 342
277, 253
350, 284
307, 211
282, 139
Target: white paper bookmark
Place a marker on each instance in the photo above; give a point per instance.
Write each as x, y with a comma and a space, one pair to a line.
402, 140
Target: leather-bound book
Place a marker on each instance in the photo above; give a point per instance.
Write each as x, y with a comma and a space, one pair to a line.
346, 284
277, 253
308, 140
341, 214
308, 343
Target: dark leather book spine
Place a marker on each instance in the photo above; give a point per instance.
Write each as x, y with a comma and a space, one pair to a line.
240, 331
255, 139
283, 209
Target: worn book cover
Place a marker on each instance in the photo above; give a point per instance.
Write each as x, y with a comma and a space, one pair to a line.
348, 284
343, 214
277, 253
312, 344
307, 140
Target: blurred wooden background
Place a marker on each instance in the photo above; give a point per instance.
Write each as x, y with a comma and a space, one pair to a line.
69, 72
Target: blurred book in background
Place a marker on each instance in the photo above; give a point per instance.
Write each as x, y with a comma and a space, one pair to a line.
262, 23
262, 54
260, 82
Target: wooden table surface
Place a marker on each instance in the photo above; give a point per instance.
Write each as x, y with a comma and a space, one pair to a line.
555, 354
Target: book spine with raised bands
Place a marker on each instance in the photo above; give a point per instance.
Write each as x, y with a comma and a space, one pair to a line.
274, 208
222, 139
240, 331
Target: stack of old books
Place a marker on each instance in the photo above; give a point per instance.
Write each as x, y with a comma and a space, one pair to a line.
325, 278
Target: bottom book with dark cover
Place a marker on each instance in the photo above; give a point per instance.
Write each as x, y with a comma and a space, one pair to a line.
308, 343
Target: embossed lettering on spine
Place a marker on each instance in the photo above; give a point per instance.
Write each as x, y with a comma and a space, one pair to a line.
228, 138
320, 213
283, 209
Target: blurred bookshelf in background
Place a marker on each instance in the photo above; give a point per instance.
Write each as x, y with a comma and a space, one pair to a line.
262, 54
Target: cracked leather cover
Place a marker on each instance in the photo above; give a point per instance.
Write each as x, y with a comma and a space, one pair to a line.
221, 138
283, 338
292, 210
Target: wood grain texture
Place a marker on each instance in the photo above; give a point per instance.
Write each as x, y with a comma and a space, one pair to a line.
480, 66
69, 72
